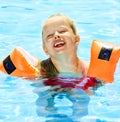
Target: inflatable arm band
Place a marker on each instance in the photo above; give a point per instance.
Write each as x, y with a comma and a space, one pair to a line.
20, 63
104, 57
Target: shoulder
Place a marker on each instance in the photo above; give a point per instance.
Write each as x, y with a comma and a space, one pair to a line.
85, 65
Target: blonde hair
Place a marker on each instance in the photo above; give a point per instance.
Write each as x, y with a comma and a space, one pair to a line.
70, 22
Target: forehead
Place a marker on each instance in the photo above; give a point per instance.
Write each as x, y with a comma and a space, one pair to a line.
56, 21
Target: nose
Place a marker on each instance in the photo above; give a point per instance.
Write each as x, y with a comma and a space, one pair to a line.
57, 36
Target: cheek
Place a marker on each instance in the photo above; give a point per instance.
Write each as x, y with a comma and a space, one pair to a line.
47, 48
47, 44
72, 43
71, 36
71, 40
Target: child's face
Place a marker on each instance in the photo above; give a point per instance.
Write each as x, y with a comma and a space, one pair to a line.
58, 37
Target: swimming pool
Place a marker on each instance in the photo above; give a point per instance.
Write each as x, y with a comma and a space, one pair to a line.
20, 25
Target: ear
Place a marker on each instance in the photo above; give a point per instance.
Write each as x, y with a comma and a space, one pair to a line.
77, 39
45, 49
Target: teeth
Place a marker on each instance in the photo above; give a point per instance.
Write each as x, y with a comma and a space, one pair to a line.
56, 44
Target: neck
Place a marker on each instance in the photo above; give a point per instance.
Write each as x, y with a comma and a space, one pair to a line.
65, 63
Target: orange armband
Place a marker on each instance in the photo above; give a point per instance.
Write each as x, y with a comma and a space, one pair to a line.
20, 63
104, 57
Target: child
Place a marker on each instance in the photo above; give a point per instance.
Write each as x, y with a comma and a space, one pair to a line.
60, 41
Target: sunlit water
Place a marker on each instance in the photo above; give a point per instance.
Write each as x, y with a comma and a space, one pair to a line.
25, 101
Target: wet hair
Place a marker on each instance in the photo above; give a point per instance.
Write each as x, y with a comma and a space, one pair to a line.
70, 22
48, 70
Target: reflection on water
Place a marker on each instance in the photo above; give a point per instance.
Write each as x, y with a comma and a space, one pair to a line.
61, 105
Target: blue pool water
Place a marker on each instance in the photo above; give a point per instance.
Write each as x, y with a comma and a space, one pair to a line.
25, 101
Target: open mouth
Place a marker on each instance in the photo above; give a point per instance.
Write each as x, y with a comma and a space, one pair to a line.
59, 44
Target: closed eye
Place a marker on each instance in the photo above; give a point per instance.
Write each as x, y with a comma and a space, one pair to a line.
49, 36
62, 31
